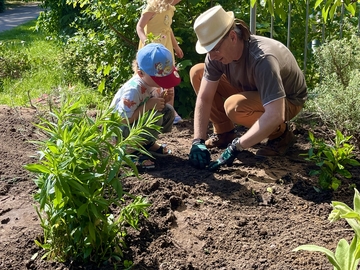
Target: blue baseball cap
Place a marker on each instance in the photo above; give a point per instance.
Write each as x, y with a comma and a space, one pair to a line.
156, 61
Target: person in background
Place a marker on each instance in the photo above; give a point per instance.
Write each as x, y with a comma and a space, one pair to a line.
248, 80
155, 68
156, 18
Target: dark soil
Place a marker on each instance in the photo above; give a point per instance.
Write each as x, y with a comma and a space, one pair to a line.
247, 216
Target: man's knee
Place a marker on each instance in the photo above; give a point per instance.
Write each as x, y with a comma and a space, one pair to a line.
197, 70
240, 110
196, 74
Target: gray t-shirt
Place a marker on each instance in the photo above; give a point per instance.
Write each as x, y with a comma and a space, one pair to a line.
267, 66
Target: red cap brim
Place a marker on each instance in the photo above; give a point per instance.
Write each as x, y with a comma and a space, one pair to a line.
168, 81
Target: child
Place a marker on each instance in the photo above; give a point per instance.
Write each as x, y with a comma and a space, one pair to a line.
157, 19
155, 69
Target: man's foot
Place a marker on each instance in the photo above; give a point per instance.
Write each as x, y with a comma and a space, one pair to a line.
220, 140
278, 146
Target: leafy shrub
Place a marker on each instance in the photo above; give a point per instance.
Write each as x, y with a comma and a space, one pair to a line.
82, 205
346, 257
13, 62
336, 97
332, 160
97, 60
58, 17
339, 57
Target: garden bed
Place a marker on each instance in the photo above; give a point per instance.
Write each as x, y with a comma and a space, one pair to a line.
247, 216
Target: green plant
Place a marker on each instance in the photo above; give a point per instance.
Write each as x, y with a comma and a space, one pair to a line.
339, 57
346, 257
334, 99
14, 59
332, 160
82, 205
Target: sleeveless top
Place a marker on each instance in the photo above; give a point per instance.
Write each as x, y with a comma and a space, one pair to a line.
160, 25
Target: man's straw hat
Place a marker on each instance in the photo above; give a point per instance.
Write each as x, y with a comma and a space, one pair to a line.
211, 26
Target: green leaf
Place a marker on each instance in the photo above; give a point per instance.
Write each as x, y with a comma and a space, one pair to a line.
87, 252
82, 210
356, 201
352, 214
107, 70
335, 183
115, 183
113, 172
345, 173
183, 64
92, 233
324, 13
353, 162
351, 8
332, 11
58, 201
101, 86
318, 2
37, 168
329, 254
342, 254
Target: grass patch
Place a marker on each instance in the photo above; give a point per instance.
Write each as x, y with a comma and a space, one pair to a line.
30, 70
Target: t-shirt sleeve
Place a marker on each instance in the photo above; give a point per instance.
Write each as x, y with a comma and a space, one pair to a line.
212, 72
127, 100
268, 79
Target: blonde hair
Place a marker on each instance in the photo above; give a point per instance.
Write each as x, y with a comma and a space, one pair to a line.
134, 66
159, 6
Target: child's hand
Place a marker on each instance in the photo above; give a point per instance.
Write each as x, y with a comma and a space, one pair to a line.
155, 102
178, 51
168, 94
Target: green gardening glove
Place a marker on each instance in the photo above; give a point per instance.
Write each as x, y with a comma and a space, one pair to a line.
226, 158
199, 156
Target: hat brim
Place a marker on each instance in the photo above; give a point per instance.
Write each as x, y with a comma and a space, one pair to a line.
200, 49
168, 81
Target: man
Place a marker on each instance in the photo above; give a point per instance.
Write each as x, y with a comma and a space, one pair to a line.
246, 79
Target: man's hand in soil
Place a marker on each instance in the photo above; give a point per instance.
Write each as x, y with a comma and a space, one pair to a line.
199, 156
226, 158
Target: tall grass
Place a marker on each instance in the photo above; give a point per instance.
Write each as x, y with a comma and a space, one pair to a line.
31, 72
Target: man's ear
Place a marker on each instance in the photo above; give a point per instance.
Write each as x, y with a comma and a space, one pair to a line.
233, 35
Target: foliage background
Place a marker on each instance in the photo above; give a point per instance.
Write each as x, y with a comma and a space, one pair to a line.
99, 42
100, 37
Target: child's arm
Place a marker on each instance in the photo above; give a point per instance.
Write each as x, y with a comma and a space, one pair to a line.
178, 51
153, 102
144, 19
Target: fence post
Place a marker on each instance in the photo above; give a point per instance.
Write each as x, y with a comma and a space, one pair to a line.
253, 19
272, 20
342, 18
289, 24
358, 5
306, 34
